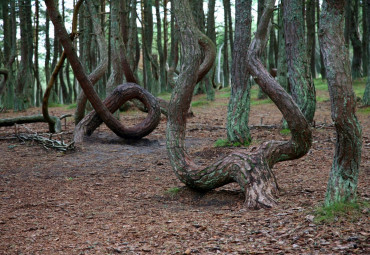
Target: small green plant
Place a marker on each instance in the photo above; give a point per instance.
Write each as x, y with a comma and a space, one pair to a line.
173, 191
199, 103
226, 143
285, 131
339, 211
224, 95
69, 178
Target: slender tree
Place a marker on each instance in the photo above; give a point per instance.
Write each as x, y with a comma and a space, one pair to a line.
311, 42
162, 60
301, 84
355, 40
25, 77
342, 185
366, 97
239, 104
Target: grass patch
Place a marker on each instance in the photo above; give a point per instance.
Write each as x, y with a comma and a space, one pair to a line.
285, 131
165, 96
340, 211
173, 191
199, 103
364, 110
71, 106
227, 143
322, 99
224, 95
55, 105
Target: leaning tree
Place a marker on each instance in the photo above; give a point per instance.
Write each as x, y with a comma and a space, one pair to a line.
343, 178
252, 170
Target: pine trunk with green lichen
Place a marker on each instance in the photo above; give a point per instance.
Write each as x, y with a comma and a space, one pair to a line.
342, 185
239, 104
301, 84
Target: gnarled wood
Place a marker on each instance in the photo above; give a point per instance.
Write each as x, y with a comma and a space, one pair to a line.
252, 170
80, 74
119, 96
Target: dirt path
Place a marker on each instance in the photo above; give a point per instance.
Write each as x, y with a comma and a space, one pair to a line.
112, 196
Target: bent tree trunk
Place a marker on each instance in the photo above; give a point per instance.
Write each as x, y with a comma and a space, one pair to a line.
343, 178
252, 171
239, 104
80, 74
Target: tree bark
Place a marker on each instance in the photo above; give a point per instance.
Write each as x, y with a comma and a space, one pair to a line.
366, 97
100, 68
239, 104
342, 185
322, 66
251, 170
162, 60
365, 42
301, 84
80, 73
25, 77
355, 40
311, 42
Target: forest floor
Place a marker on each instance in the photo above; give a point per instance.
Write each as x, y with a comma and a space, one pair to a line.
112, 196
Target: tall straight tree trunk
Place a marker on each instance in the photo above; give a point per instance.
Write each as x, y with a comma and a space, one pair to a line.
342, 185
282, 75
366, 97
132, 43
311, 42
225, 68
322, 66
365, 42
260, 9
55, 92
9, 25
162, 60
239, 104
211, 33
25, 77
302, 87
47, 50
147, 40
36, 60
355, 40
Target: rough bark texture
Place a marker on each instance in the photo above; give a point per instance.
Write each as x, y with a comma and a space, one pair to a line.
355, 40
311, 42
239, 104
80, 73
343, 178
282, 67
252, 171
119, 96
100, 69
301, 84
366, 97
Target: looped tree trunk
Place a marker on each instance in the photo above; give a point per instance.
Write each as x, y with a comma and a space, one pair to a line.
119, 96
80, 74
252, 171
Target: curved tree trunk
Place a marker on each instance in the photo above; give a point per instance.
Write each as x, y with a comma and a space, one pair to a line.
251, 170
239, 104
302, 87
343, 178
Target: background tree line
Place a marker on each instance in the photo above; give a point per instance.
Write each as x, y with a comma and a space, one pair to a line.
148, 34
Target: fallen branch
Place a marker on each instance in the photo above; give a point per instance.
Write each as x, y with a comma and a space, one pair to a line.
30, 119
47, 143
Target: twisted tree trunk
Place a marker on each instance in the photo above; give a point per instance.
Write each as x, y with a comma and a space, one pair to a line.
252, 171
343, 178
